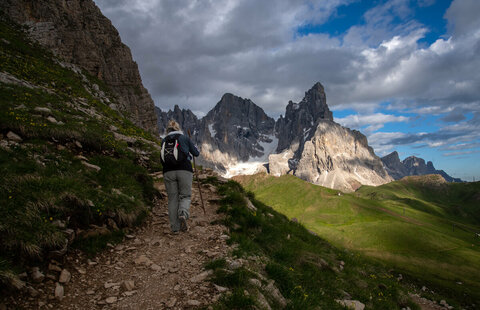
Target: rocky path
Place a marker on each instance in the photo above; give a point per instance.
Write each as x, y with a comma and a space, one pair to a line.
150, 269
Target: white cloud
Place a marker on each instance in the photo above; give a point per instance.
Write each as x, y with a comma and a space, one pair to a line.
461, 153
377, 120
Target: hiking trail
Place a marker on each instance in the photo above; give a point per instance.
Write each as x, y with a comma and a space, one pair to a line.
151, 269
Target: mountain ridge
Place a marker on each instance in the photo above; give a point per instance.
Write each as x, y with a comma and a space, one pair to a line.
78, 33
237, 137
411, 166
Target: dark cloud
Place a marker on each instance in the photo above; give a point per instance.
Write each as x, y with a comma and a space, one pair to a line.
192, 52
463, 17
454, 116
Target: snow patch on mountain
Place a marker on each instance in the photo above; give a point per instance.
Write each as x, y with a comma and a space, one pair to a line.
212, 131
254, 164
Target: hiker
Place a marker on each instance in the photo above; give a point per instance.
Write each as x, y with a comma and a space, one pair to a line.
176, 153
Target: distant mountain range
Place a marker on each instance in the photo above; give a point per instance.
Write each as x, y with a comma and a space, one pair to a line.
412, 166
238, 137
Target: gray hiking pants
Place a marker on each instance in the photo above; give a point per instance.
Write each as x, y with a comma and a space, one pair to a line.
179, 189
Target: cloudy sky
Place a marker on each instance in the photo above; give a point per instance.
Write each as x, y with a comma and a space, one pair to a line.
404, 72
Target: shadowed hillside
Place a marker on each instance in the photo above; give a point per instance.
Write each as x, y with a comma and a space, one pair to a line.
72, 170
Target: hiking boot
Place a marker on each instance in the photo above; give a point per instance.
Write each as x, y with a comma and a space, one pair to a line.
183, 223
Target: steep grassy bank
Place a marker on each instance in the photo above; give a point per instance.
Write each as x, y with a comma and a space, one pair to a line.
407, 224
69, 162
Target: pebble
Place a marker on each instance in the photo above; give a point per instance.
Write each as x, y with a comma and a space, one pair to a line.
111, 284
81, 270
221, 289
200, 277
155, 267
193, 303
65, 276
53, 267
37, 275
59, 291
128, 285
111, 300
171, 303
142, 259
129, 293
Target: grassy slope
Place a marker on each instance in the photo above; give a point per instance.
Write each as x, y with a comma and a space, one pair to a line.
407, 224
43, 183
305, 267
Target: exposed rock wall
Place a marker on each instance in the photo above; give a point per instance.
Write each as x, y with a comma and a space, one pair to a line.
185, 118
302, 118
340, 158
394, 166
78, 32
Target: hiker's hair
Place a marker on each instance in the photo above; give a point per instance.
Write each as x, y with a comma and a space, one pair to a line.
172, 126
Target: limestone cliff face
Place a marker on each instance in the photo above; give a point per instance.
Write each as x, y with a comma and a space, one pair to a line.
318, 150
78, 32
340, 158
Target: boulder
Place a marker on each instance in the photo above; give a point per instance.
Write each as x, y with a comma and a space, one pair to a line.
351, 304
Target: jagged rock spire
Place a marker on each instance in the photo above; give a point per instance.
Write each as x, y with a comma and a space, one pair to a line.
302, 118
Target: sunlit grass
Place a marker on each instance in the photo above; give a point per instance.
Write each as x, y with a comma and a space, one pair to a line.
405, 224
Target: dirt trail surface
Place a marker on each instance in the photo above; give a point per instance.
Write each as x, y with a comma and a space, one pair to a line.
151, 269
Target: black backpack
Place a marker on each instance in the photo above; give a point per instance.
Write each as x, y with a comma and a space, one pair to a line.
171, 153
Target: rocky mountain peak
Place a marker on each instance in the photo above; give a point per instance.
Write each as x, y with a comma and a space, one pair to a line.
237, 127
392, 157
80, 34
302, 118
185, 118
315, 102
412, 166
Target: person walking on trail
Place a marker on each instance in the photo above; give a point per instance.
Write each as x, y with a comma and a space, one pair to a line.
176, 152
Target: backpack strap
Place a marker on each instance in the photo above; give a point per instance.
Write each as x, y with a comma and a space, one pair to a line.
162, 152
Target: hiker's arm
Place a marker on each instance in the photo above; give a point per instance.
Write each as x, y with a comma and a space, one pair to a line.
193, 149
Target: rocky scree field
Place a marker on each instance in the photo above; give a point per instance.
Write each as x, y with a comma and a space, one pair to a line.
73, 171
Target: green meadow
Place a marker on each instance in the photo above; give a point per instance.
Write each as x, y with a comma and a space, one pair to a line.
421, 227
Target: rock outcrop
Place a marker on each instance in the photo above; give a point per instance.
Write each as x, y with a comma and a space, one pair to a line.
237, 127
395, 168
78, 32
412, 166
316, 149
185, 118
340, 158
302, 118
